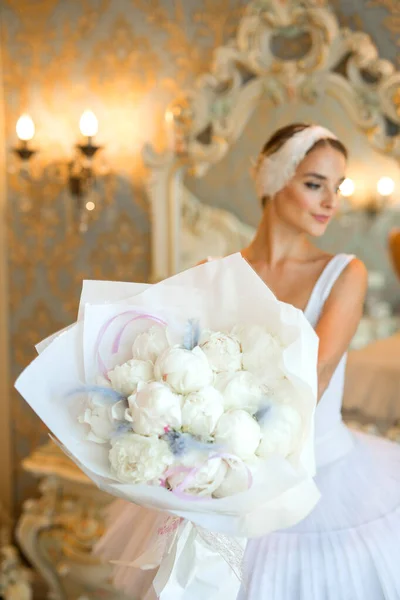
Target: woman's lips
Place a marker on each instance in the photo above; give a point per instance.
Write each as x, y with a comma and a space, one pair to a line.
321, 218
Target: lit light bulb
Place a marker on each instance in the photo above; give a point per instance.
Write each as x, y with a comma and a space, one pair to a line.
385, 186
88, 124
25, 128
347, 187
90, 205
169, 116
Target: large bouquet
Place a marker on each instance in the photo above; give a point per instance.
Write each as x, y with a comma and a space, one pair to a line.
194, 396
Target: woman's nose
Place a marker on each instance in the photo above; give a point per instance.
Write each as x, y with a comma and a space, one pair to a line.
330, 199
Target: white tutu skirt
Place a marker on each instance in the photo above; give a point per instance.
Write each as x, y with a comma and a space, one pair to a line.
348, 548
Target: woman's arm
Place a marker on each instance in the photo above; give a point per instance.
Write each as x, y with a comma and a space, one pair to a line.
339, 320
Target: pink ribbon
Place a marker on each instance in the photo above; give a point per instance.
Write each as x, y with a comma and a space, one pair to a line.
117, 340
191, 473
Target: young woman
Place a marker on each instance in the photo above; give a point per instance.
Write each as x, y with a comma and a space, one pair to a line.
348, 547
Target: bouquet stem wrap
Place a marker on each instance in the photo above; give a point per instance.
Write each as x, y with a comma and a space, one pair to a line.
175, 540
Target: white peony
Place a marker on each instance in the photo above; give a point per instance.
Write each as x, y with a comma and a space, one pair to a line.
236, 480
100, 419
240, 390
222, 350
118, 410
151, 343
284, 392
262, 353
139, 459
238, 433
125, 378
154, 409
280, 431
201, 411
184, 370
206, 477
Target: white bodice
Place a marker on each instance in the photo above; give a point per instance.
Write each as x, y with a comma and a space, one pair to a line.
332, 438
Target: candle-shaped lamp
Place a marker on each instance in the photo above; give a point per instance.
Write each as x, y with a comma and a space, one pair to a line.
25, 129
89, 126
347, 187
385, 186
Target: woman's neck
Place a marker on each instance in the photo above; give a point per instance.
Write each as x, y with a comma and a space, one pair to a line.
275, 241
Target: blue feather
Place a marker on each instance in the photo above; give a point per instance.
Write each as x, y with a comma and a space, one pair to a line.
181, 443
191, 334
108, 394
122, 428
262, 413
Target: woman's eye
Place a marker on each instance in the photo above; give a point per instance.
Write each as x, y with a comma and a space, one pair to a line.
313, 186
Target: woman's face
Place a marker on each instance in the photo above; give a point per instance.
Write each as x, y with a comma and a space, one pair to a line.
310, 199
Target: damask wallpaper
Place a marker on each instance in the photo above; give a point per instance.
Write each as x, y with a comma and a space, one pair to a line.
124, 59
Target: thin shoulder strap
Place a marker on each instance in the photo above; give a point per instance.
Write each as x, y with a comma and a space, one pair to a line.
331, 273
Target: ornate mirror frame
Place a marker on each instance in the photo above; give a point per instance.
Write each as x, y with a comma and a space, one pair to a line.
205, 122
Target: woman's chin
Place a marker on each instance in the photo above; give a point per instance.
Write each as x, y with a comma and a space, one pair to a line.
310, 226
317, 230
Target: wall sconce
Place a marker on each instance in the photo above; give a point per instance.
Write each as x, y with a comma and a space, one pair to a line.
80, 176
347, 187
374, 205
25, 129
383, 197
385, 187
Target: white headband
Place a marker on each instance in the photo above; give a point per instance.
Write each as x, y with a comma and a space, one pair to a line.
276, 170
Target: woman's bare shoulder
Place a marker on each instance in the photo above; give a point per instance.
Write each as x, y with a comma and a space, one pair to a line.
355, 272
353, 281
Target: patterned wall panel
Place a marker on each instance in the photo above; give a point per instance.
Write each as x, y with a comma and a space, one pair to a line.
125, 59
379, 18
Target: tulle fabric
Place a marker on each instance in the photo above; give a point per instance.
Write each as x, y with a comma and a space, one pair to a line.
348, 548
129, 528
